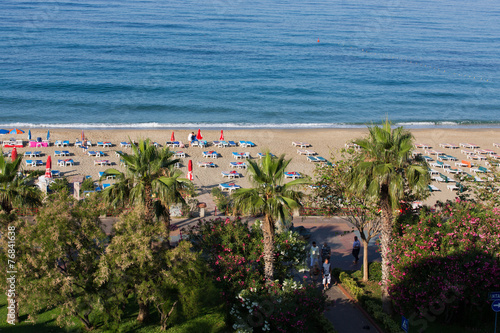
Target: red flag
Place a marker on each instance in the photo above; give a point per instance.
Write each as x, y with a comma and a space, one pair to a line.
199, 137
14, 154
190, 170
221, 135
48, 166
172, 137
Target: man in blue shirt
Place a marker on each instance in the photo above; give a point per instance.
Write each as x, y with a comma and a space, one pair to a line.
356, 246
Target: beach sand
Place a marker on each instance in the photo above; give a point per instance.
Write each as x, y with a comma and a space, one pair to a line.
326, 142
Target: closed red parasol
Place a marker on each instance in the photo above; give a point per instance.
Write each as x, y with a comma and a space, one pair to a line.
190, 170
172, 137
48, 167
221, 135
14, 154
199, 137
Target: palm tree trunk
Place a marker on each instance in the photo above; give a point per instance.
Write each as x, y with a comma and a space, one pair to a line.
148, 203
167, 227
385, 241
143, 311
365, 260
268, 232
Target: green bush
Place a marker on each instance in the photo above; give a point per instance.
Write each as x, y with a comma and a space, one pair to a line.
59, 185
377, 313
221, 200
87, 185
351, 285
325, 324
375, 271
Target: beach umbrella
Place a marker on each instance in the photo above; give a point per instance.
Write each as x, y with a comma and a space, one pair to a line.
48, 167
221, 135
48, 134
14, 154
190, 170
29, 135
4, 131
199, 137
16, 131
172, 137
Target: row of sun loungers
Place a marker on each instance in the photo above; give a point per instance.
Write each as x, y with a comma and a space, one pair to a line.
33, 154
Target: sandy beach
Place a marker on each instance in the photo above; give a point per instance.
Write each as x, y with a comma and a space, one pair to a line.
325, 142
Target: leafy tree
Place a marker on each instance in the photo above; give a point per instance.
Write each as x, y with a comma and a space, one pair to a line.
134, 259
271, 197
57, 257
386, 173
334, 190
16, 190
150, 181
59, 185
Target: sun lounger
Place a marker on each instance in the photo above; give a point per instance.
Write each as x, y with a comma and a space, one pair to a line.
310, 152
28, 153
30, 163
451, 158
301, 151
125, 144
452, 187
229, 187
454, 170
241, 155
55, 173
476, 157
439, 164
496, 144
312, 159
101, 174
428, 159
58, 143
203, 143
180, 154
206, 164
301, 144
91, 153
104, 144
486, 151
241, 165
495, 164
469, 145
65, 162
231, 144
433, 172
422, 146
415, 154
293, 175
99, 154
231, 174
223, 144
261, 155
352, 145
442, 158
322, 159
102, 162
212, 154
433, 188
78, 143
448, 145
245, 144
438, 179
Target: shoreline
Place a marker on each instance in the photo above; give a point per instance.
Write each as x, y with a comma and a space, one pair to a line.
234, 126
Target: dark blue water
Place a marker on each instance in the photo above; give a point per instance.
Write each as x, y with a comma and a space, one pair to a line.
88, 63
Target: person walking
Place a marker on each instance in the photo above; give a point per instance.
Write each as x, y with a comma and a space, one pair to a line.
356, 246
326, 252
314, 254
327, 274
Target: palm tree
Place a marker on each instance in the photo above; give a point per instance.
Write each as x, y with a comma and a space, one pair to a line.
15, 189
150, 180
271, 197
386, 173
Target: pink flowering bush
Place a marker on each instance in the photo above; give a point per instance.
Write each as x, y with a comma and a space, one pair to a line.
234, 252
444, 265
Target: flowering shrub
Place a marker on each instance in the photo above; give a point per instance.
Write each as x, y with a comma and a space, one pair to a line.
447, 262
234, 251
286, 307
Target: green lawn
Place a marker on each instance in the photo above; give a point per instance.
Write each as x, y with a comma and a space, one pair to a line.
46, 322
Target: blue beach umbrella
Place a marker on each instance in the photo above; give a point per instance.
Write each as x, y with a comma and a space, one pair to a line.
3, 131
48, 134
29, 135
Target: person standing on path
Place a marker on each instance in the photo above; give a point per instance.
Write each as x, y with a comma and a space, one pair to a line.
327, 274
356, 246
326, 252
314, 254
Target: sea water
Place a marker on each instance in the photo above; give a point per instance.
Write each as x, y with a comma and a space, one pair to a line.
241, 63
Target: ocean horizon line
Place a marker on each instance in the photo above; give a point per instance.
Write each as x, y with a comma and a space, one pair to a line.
234, 126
